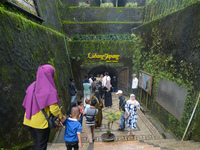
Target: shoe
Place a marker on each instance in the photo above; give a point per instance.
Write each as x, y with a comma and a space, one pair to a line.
93, 140
121, 129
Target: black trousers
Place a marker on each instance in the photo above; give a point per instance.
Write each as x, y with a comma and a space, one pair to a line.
135, 93
71, 145
40, 137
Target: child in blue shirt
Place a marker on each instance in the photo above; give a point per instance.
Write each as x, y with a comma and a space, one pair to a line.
73, 129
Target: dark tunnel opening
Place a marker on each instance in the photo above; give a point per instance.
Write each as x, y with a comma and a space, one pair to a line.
102, 69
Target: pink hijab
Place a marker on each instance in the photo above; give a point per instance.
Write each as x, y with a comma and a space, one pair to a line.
45, 91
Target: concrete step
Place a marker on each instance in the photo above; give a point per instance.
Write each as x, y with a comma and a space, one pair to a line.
96, 27
175, 144
77, 14
108, 145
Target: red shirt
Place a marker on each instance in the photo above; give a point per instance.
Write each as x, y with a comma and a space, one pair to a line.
80, 109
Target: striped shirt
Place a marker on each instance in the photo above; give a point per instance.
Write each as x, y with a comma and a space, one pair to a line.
90, 112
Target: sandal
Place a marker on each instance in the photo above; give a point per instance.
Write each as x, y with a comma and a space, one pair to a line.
133, 133
128, 133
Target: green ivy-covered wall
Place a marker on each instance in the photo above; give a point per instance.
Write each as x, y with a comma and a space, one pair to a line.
170, 49
79, 50
24, 46
158, 8
50, 14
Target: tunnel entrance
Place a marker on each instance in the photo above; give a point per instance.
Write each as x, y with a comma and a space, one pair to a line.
102, 69
121, 73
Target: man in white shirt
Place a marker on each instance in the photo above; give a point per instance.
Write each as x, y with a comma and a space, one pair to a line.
135, 85
106, 79
91, 81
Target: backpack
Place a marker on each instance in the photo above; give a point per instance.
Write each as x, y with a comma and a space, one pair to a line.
91, 118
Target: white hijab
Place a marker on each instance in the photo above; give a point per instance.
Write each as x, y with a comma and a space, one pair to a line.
132, 102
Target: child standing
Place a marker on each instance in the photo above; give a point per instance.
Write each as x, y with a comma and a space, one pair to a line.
88, 102
80, 106
73, 129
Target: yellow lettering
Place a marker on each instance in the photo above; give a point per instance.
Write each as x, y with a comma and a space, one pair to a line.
89, 56
107, 57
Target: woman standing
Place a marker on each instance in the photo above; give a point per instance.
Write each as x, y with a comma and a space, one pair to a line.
99, 106
131, 108
44, 91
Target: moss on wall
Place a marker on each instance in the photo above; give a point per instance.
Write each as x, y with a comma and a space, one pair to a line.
158, 8
24, 46
79, 52
70, 28
81, 48
49, 12
170, 50
77, 14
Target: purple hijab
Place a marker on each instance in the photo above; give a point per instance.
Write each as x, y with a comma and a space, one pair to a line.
45, 91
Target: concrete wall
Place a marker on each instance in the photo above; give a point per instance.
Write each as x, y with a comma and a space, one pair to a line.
96, 3
98, 28
77, 14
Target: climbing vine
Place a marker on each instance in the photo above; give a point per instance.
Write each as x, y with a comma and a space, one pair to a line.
154, 60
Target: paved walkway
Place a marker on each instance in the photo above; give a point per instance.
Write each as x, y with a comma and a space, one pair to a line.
144, 131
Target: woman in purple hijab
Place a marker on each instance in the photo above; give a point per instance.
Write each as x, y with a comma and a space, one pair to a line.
47, 98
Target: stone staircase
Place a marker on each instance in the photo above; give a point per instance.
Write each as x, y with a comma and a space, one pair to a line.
170, 144
109, 145
96, 20
147, 136
163, 144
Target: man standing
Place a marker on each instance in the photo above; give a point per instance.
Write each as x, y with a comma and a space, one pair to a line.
91, 114
122, 103
73, 89
114, 84
107, 90
135, 85
86, 77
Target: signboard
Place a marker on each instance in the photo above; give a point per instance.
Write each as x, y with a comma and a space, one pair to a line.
171, 96
106, 57
145, 81
28, 5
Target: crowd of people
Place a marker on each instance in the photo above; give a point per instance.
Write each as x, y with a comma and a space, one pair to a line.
41, 96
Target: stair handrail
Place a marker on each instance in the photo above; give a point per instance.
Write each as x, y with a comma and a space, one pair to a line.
191, 118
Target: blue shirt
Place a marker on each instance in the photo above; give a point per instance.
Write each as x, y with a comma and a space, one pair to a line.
71, 129
86, 87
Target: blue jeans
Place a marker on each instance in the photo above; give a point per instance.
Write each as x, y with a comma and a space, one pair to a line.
114, 89
122, 119
73, 98
81, 119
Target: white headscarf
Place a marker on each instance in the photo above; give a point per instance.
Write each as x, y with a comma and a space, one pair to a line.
132, 102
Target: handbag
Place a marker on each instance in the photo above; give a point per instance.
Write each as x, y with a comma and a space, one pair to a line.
126, 115
52, 120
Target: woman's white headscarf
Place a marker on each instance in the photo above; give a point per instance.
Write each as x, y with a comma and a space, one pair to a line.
132, 102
